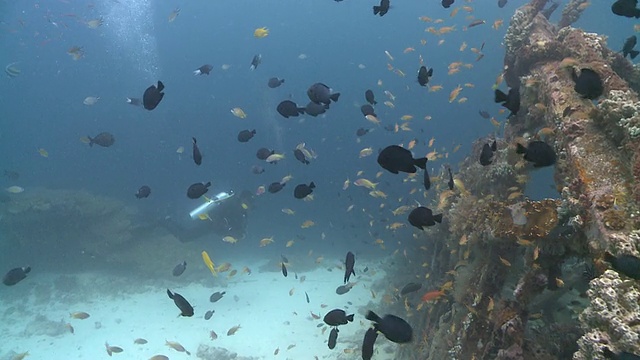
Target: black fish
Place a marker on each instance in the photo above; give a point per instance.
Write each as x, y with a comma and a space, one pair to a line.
197, 156
423, 216
343, 289
502, 3
510, 101
185, 308
424, 75
16, 275
288, 108
143, 192
484, 114
349, 263
216, 296
395, 158
257, 60
208, 314
486, 155
537, 152
274, 82
103, 139
371, 99
626, 264
367, 109
303, 190
333, 338
152, 96
426, 180
204, 69
394, 328
306, 296
179, 269
246, 135
134, 101
198, 189
274, 187
264, 153
623, 355
450, 183
299, 155
409, 288
381, 9
320, 93
369, 340
626, 8
314, 109
447, 3
627, 48
284, 270
588, 83
337, 317
362, 132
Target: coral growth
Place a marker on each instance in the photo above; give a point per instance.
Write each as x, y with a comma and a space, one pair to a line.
572, 11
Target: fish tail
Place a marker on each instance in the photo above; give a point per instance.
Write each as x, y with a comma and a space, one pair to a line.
194, 140
520, 149
207, 184
335, 96
350, 318
437, 218
494, 147
634, 53
376, 10
430, 72
160, 85
608, 257
372, 316
421, 163
170, 294
500, 96
90, 141
312, 185
375, 102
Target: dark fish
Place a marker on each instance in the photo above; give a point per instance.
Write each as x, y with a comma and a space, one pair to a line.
198, 189
486, 155
343, 289
394, 328
284, 270
627, 48
179, 269
626, 264
16, 275
301, 191
288, 108
299, 155
274, 82
284, 258
257, 169
626, 8
197, 156
320, 93
371, 99
257, 60
314, 109
152, 96
103, 139
246, 135
185, 308
134, 101
274, 187
337, 317
510, 101
426, 180
381, 9
306, 296
333, 338
423, 216
367, 109
484, 114
588, 83
537, 152
395, 158
369, 340
450, 183
208, 314
619, 356
447, 3
502, 3
216, 296
203, 70
349, 263
424, 75
366, 268
475, 23
264, 153
362, 132
143, 192
409, 288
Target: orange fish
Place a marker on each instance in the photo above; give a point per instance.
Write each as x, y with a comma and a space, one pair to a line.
432, 295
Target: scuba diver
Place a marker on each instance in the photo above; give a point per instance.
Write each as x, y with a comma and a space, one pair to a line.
223, 214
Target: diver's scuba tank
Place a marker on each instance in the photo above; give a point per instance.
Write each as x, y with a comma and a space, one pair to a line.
209, 204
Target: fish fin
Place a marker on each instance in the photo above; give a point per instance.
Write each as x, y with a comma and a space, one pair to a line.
194, 140
170, 294
421, 163
520, 149
90, 141
207, 184
430, 72
437, 218
334, 97
350, 318
634, 53
160, 85
494, 147
500, 96
312, 185
608, 257
376, 10
372, 316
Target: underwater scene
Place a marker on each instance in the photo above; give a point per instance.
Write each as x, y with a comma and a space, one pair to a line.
334, 179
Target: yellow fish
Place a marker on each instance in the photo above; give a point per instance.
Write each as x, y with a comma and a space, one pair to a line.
209, 263
307, 224
366, 152
454, 93
288, 211
238, 113
406, 117
290, 243
43, 152
266, 241
366, 183
229, 239
261, 32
